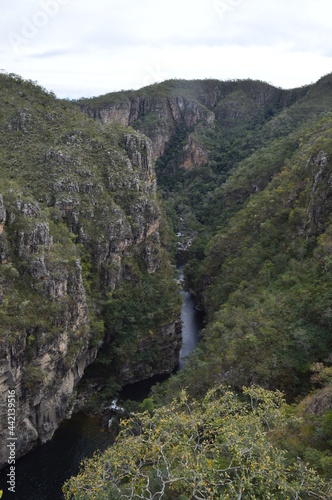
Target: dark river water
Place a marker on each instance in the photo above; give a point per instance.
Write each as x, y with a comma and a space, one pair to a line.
41, 473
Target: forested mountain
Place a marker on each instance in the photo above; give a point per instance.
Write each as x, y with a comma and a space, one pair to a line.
215, 126
81, 259
257, 201
245, 171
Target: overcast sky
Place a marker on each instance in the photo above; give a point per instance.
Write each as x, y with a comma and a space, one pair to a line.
85, 48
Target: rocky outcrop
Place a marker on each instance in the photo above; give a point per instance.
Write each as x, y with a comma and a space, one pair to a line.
162, 110
317, 403
42, 363
320, 199
157, 117
2, 215
43, 388
196, 155
80, 217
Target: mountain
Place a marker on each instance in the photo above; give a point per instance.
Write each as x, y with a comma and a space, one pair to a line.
82, 262
256, 203
225, 151
202, 130
244, 175
245, 171
266, 274
264, 164
161, 111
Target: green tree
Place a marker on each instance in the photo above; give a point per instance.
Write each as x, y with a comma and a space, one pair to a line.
223, 447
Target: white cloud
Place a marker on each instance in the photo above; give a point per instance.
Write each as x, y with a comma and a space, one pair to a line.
79, 47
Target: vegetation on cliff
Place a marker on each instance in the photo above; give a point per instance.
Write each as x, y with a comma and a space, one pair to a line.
79, 217
245, 170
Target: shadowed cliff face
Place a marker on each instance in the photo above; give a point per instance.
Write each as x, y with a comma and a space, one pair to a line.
78, 216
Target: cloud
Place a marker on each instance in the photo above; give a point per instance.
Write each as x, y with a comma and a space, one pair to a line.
79, 47
48, 54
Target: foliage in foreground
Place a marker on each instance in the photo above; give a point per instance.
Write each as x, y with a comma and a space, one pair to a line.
223, 447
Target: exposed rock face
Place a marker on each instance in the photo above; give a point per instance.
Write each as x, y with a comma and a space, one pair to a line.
196, 155
2, 215
318, 403
320, 201
40, 409
41, 368
157, 117
161, 111
84, 215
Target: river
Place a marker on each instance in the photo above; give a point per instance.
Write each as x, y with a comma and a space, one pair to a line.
192, 322
41, 473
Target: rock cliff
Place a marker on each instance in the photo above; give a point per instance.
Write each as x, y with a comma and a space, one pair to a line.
162, 110
78, 216
156, 116
212, 117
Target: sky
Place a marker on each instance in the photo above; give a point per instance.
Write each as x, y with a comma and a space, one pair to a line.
84, 48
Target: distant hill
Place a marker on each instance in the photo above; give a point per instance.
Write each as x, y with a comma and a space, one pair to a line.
202, 129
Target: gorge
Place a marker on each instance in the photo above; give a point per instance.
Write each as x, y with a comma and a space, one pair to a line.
93, 193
